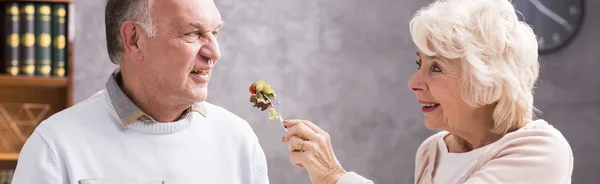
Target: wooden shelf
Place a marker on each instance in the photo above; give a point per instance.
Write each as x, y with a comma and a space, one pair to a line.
55, 91
41, 1
33, 81
9, 156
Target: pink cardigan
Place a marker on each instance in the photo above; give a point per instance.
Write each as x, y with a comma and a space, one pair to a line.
536, 153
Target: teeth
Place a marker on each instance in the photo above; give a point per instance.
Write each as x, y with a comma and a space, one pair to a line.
200, 71
428, 105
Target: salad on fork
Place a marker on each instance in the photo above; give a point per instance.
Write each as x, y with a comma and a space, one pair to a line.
263, 97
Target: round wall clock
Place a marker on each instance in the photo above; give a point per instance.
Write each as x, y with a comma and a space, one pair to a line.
555, 22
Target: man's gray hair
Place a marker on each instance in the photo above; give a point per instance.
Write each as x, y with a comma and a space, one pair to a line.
119, 11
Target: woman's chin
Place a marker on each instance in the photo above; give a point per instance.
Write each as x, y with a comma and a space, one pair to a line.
432, 125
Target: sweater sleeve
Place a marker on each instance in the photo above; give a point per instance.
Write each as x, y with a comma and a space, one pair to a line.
353, 178
261, 175
423, 157
529, 157
37, 163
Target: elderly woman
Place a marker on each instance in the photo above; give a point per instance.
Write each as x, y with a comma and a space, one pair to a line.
477, 65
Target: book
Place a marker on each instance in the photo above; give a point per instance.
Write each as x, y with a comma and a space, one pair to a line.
3, 176
11, 35
6, 176
11, 172
43, 39
27, 35
59, 12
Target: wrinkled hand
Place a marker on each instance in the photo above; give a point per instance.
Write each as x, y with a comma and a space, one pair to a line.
310, 148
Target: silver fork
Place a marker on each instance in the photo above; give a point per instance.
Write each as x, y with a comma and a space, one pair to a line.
276, 103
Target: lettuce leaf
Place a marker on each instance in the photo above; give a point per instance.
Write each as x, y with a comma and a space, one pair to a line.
264, 92
273, 114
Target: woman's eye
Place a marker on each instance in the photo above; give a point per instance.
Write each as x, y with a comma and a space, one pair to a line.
436, 68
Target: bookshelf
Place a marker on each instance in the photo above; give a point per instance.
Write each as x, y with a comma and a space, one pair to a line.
54, 92
19, 81
9, 156
8, 160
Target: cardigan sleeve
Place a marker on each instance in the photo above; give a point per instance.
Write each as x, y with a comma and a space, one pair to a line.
423, 158
531, 156
353, 178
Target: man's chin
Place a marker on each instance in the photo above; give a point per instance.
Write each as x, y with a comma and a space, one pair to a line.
198, 95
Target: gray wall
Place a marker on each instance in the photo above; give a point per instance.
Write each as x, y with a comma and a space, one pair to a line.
345, 64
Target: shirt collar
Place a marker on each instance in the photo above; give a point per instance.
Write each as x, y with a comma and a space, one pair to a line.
128, 112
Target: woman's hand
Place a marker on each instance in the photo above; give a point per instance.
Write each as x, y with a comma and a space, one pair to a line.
310, 148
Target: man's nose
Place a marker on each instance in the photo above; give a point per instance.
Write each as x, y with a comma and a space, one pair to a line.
210, 49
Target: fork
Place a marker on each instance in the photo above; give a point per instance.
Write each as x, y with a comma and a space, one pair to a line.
276, 103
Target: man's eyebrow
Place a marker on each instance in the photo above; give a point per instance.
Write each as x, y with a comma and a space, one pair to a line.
220, 25
197, 25
201, 25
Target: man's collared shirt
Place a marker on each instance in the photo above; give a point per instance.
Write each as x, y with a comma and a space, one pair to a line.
128, 112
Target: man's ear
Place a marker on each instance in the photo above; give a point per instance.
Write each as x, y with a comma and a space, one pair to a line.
129, 35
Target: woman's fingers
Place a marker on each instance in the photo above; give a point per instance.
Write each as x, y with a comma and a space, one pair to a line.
314, 127
302, 131
296, 143
314, 134
310, 148
290, 123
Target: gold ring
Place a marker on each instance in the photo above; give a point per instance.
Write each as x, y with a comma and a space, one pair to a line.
301, 146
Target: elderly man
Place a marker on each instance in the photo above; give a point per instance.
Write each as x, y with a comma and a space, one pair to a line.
150, 124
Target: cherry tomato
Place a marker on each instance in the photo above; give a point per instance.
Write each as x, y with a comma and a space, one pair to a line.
252, 90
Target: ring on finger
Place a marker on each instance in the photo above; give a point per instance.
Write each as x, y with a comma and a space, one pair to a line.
301, 146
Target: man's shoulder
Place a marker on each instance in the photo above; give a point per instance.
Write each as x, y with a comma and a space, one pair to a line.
216, 109
233, 126
222, 115
90, 109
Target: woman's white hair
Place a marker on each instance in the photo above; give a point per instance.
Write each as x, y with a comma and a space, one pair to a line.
498, 53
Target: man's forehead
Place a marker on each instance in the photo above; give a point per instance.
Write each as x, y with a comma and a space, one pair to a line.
184, 12
185, 3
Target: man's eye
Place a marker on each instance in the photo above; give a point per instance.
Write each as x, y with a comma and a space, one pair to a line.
195, 33
216, 33
418, 64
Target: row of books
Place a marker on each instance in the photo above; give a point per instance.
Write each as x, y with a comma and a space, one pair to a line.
6, 176
34, 38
